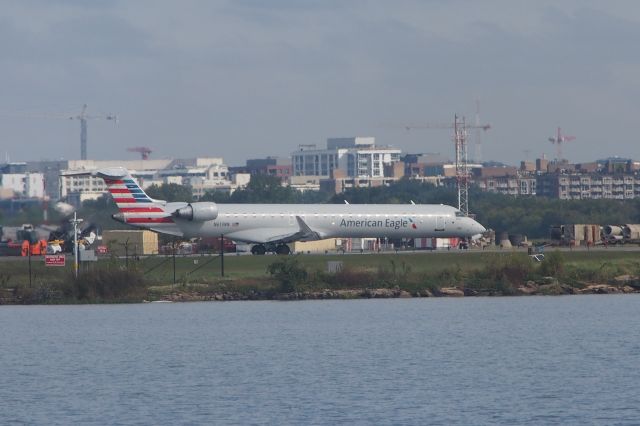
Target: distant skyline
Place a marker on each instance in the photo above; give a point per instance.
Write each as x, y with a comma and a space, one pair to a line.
246, 79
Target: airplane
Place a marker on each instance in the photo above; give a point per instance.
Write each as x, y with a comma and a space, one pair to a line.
271, 227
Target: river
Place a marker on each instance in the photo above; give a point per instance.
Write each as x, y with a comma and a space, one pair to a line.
517, 360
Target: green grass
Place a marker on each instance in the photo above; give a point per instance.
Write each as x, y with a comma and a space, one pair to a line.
206, 269
246, 274
240, 267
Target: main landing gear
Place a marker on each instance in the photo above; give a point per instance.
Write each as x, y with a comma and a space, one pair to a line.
260, 249
283, 249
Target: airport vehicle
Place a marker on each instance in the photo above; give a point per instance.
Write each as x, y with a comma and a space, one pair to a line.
269, 227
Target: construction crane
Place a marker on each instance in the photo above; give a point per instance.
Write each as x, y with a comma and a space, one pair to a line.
460, 135
83, 117
477, 156
559, 140
143, 150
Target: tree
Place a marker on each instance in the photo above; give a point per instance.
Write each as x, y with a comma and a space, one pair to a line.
216, 196
99, 212
266, 189
170, 192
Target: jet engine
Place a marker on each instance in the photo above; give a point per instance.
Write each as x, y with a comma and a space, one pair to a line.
198, 212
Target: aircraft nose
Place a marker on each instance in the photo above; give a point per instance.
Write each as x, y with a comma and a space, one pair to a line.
478, 228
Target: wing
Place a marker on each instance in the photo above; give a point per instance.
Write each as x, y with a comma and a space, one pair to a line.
276, 235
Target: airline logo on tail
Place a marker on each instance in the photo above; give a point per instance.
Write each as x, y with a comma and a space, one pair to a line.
137, 207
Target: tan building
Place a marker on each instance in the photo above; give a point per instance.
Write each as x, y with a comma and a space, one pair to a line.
130, 242
319, 246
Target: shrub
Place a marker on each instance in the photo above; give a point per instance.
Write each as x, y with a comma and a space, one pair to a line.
553, 264
109, 285
349, 278
289, 273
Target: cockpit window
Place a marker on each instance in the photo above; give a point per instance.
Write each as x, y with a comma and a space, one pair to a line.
459, 213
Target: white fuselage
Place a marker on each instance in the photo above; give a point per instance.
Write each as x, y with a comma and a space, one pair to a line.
261, 223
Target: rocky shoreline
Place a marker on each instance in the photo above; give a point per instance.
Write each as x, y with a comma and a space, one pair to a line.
238, 291
530, 288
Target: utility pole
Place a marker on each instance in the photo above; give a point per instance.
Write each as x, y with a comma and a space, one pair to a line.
222, 255
29, 249
126, 254
174, 262
75, 222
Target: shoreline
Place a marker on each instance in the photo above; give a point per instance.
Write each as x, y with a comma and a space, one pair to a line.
193, 295
528, 289
310, 278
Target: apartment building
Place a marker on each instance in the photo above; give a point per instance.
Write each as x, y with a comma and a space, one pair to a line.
579, 186
346, 162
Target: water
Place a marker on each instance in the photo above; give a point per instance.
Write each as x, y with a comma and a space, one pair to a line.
528, 360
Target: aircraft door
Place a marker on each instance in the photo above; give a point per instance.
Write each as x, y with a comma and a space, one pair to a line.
439, 223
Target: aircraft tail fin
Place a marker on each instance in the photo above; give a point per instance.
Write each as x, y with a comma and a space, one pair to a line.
136, 207
126, 192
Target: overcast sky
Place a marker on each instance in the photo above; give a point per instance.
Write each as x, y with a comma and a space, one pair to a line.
246, 79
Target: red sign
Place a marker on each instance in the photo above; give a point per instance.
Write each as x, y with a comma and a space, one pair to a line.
101, 249
54, 259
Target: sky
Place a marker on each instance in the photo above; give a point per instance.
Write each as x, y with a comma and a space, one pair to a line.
248, 78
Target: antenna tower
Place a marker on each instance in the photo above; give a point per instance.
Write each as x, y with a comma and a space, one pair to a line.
462, 164
460, 135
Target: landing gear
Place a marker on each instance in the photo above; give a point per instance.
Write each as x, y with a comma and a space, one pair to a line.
283, 249
261, 249
258, 250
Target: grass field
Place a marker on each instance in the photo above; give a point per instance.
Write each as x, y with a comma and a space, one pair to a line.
206, 269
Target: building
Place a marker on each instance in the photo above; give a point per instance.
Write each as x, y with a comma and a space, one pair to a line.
582, 186
77, 188
201, 174
345, 163
514, 185
22, 185
429, 164
272, 166
356, 157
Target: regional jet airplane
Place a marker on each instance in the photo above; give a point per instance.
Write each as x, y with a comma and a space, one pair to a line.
270, 227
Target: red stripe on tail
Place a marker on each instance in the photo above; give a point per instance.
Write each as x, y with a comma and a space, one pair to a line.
141, 210
149, 220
